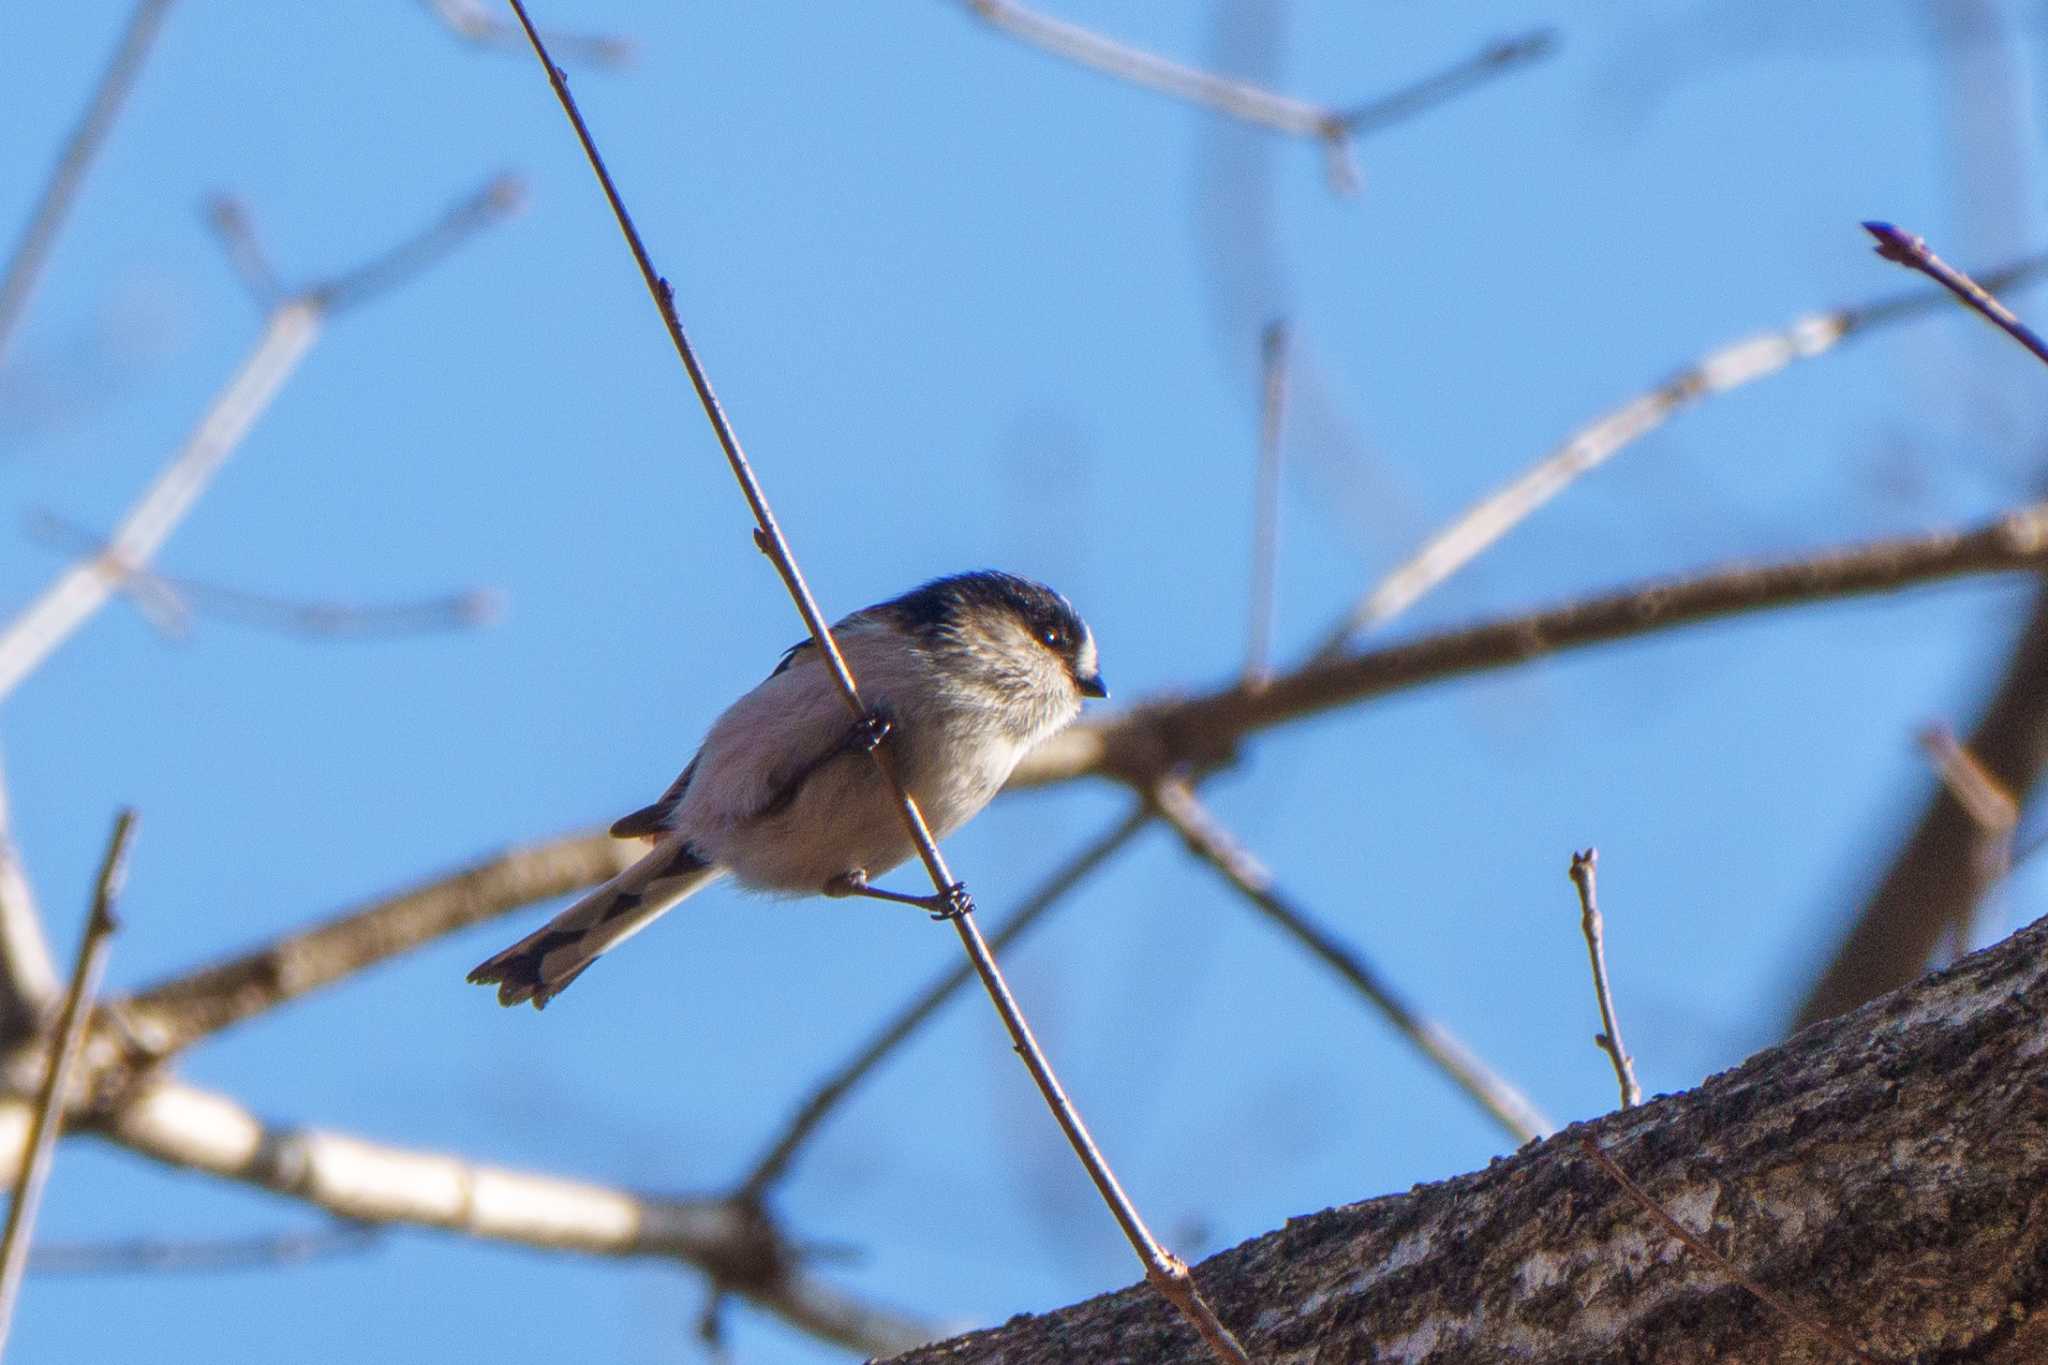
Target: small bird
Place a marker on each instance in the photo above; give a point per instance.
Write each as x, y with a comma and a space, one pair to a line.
962, 677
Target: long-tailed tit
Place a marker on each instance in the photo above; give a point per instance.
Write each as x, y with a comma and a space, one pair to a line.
962, 678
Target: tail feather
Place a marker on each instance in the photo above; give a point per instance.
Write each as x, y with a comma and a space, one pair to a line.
542, 964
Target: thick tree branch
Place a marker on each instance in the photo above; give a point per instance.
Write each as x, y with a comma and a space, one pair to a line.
369, 1182
1952, 858
1140, 745
177, 1013
1884, 1172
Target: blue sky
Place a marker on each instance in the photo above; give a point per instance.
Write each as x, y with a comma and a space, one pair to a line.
969, 305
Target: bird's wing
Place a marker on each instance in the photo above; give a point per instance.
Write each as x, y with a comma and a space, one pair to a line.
652, 820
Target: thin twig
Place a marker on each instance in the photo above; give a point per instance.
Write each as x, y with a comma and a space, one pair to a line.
1334, 128
170, 601
1166, 1272
229, 218
1202, 730
100, 925
1608, 1040
1495, 59
1206, 837
499, 198
1796, 1316
1239, 99
32, 249
288, 333
830, 1092
1725, 368
1266, 502
1913, 253
154, 1255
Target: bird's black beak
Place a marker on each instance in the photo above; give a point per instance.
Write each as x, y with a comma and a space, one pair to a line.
1092, 685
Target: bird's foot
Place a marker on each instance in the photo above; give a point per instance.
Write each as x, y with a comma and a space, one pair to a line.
951, 903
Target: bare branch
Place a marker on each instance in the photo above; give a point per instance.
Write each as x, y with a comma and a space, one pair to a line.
1583, 872
32, 249
1206, 837
34, 1170
171, 601
1166, 1272
1240, 100
229, 218
289, 331
1495, 59
1202, 730
500, 198
1951, 860
153, 1255
368, 1182
1702, 1248
175, 1014
1719, 371
84, 588
827, 1095
1913, 253
1266, 516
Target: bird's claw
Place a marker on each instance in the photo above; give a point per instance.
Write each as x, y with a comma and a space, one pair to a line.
952, 903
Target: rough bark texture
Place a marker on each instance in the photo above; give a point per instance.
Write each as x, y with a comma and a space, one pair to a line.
1883, 1170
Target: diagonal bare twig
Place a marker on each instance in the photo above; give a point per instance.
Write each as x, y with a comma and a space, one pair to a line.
288, 333
170, 602
155, 1255
1913, 252
1137, 745
1725, 368
65, 1045
830, 1092
1334, 128
1583, 874
1206, 837
32, 248
1167, 1273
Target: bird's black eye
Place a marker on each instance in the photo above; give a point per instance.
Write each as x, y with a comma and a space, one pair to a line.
1052, 637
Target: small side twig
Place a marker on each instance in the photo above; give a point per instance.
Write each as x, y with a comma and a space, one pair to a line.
1207, 839
1495, 59
152, 1255
1699, 1246
840, 1082
1584, 866
229, 218
169, 602
32, 248
1266, 502
1166, 1272
100, 925
1990, 804
1913, 252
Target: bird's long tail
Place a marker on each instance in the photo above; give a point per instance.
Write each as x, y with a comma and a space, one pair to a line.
542, 964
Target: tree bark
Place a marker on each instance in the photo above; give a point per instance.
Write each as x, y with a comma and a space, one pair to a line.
1883, 1171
